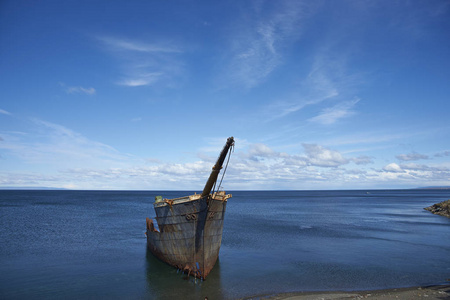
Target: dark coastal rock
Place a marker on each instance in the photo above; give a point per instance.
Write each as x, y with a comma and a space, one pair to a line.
442, 209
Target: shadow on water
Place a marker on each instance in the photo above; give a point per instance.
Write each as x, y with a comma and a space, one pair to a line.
165, 282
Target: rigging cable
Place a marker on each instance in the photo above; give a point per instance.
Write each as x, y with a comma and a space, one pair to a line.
226, 166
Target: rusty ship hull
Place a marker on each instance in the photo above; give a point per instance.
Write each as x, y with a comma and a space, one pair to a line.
190, 232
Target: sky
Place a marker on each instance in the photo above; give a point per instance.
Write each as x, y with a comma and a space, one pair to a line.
142, 95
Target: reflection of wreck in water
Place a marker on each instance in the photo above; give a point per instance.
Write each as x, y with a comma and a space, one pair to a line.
189, 232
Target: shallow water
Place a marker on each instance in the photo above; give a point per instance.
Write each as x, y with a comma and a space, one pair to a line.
91, 244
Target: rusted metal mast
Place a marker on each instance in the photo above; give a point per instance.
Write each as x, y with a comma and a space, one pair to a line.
216, 169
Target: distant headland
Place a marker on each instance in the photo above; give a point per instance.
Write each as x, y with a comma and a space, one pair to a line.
434, 188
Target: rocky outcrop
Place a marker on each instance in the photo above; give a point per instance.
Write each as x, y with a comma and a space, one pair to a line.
442, 209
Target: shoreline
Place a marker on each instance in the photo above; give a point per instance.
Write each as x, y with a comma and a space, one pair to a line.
432, 292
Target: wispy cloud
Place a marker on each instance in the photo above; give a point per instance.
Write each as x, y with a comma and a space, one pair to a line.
57, 146
118, 44
328, 80
317, 87
279, 109
80, 89
260, 41
141, 79
332, 114
331, 77
4, 112
77, 89
144, 63
414, 19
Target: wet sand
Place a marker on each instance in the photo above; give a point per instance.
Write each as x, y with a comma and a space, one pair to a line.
437, 292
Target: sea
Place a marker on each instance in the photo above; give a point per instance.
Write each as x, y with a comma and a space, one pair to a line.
64, 244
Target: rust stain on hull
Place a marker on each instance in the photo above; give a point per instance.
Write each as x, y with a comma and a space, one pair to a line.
189, 229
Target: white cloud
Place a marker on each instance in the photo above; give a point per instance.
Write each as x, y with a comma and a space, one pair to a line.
262, 166
319, 167
80, 90
411, 156
331, 115
4, 112
77, 89
323, 157
393, 167
362, 160
314, 156
271, 170
443, 153
422, 167
260, 150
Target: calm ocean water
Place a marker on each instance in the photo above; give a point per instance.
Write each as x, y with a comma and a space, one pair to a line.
91, 244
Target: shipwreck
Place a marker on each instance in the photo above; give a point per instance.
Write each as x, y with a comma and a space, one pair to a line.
188, 230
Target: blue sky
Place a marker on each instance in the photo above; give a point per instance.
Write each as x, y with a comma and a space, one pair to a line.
143, 94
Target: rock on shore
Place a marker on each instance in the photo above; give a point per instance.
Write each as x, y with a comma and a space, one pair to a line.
442, 209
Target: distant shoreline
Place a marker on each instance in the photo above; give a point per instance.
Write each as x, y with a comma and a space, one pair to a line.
434, 292
435, 188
